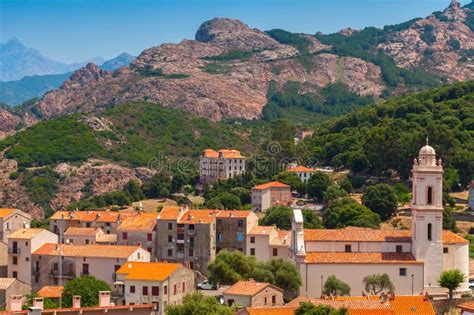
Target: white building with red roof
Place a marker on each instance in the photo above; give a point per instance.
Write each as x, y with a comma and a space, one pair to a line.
271, 194
222, 164
414, 259
303, 172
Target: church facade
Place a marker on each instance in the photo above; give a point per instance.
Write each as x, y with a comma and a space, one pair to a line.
414, 259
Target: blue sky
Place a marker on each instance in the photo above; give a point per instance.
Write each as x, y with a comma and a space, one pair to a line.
76, 30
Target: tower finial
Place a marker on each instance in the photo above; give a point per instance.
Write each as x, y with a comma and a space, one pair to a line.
427, 140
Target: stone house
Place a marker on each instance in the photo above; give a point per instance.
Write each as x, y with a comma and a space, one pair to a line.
269, 195
253, 294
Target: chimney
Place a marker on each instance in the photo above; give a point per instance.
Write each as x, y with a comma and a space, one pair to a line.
391, 295
104, 298
34, 310
15, 303
76, 301
38, 302
383, 298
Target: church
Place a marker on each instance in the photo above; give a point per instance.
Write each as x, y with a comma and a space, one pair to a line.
413, 259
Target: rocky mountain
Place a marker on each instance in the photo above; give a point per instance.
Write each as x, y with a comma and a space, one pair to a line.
16, 92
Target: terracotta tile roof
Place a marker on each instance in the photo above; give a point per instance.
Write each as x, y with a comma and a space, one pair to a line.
4, 212
26, 233
51, 292
407, 305
144, 222
467, 306
361, 304
93, 216
82, 231
239, 214
198, 217
248, 288
360, 258
6, 282
453, 238
147, 270
230, 154
99, 251
300, 169
283, 239
169, 213
106, 238
271, 185
262, 230
210, 153
276, 310
356, 234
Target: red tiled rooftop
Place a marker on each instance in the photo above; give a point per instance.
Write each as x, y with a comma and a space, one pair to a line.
357, 234
100, 251
300, 169
271, 185
360, 258
248, 288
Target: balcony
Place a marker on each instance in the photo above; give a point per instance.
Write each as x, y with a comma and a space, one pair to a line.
118, 294
14, 250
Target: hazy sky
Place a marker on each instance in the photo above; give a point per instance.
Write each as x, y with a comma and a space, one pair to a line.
76, 30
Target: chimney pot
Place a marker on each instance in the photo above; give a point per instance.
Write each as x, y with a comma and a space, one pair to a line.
15, 303
38, 302
104, 298
76, 301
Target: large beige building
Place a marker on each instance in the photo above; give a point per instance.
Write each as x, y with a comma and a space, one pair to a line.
55, 264
21, 245
271, 194
12, 220
268, 242
222, 164
160, 284
139, 230
413, 259
107, 220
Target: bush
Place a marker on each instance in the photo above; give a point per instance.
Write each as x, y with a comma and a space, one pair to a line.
231, 55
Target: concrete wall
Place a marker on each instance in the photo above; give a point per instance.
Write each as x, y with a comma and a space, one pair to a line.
353, 275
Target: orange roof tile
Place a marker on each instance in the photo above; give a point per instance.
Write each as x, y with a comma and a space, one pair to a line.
210, 153
147, 270
106, 238
26, 233
271, 185
453, 238
198, 217
93, 216
360, 258
51, 292
100, 251
169, 213
276, 310
356, 234
249, 288
6, 212
361, 304
406, 305
300, 169
144, 222
262, 230
230, 154
82, 231
239, 214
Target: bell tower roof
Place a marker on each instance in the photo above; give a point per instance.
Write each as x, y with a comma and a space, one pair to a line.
427, 150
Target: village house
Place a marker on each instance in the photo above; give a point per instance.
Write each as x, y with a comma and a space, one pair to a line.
231, 229
51, 292
271, 194
107, 220
139, 230
253, 294
303, 172
82, 235
21, 245
268, 242
55, 264
12, 220
160, 284
222, 164
12, 286
414, 259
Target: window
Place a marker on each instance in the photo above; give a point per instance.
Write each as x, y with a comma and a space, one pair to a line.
445, 250
252, 251
170, 226
165, 290
240, 223
170, 252
275, 251
274, 299
155, 291
191, 252
87, 241
348, 248
144, 290
55, 266
265, 300
184, 286
117, 267
403, 272
219, 237
149, 237
240, 237
132, 289
219, 221
170, 239
125, 235
37, 278
399, 248
15, 274
15, 260
175, 290
430, 232
85, 269
149, 249
27, 258
252, 239
430, 195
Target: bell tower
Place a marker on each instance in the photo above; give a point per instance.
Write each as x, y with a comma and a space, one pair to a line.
427, 215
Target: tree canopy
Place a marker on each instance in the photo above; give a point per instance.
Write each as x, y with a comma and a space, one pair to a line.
281, 217
198, 304
318, 183
376, 283
307, 308
381, 199
346, 212
451, 280
87, 287
335, 286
